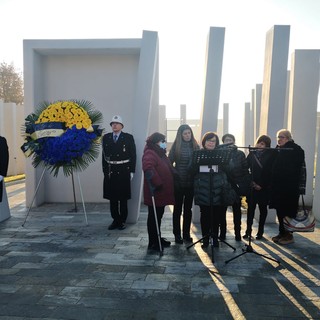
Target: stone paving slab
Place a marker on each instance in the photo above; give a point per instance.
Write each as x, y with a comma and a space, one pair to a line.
57, 267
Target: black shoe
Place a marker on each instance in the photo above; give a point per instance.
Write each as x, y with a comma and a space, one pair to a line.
259, 236
246, 236
113, 226
187, 239
122, 226
238, 237
205, 243
178, 239
153, 246
165, 243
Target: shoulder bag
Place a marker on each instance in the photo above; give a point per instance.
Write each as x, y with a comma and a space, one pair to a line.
303, 222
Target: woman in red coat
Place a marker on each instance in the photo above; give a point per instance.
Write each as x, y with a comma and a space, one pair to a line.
158, 181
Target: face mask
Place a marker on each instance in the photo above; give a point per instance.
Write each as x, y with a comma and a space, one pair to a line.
162, 145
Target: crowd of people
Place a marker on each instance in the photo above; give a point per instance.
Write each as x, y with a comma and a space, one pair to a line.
265, 177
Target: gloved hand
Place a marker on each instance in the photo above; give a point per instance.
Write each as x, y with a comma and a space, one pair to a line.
131, 175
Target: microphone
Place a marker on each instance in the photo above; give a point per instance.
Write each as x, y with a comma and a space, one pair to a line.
229, 144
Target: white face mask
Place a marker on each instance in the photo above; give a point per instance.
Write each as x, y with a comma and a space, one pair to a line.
162, 145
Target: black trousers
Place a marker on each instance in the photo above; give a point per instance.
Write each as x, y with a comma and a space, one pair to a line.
119, 211
151, 224
287, 210
183, 199
210, 220
236, 211
263, 208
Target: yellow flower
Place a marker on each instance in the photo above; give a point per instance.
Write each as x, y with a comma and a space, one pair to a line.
68, 112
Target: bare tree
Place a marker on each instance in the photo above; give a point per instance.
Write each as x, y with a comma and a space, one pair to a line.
11, 84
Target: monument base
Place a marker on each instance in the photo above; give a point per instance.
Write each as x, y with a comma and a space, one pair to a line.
4, 206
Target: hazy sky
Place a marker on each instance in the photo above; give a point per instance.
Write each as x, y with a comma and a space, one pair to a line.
182, 26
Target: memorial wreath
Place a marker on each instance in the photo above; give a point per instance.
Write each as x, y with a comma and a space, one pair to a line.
63, 134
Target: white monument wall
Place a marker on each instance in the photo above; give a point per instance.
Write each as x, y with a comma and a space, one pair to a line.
11, 120
119, 76
302, 109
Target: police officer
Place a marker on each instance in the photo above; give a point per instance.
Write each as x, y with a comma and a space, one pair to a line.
118, 164
4, 162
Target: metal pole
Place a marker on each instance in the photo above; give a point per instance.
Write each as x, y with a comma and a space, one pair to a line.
157, 225
84, 207
74, 195
34, 196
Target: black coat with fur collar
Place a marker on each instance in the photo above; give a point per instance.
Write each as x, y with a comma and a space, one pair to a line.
286, 178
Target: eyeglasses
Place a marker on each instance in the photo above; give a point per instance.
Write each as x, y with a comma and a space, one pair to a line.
281, 137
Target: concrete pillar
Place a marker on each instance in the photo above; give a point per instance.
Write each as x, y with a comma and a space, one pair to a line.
286, 106
214, 58
257, 111
220, 129
247, 124
183, 114
274, 80
146, 103
225, 126
302, 109
162, 120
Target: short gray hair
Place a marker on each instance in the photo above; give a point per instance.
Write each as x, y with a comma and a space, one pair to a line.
286, 133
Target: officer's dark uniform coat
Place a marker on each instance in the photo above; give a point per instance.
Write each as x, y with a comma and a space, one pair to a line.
116, 185
4, 161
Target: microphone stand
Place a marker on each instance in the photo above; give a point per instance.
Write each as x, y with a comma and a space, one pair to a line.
248, 247
210, 158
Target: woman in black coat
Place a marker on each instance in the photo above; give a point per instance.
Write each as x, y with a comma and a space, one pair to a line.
260, 162
181, 156
286, 182
212, 192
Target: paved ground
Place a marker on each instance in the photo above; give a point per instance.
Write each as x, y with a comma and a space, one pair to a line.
56, 267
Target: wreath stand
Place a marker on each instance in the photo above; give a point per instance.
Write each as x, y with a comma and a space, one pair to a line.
74, 197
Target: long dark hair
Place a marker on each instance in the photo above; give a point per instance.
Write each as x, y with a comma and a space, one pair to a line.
176, 146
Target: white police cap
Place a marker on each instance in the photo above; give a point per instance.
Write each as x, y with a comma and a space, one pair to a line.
116, 119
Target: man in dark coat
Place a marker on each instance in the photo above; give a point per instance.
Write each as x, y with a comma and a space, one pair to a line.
118, 164
4, 162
